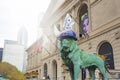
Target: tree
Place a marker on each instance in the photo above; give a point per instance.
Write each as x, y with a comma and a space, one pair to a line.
11, 72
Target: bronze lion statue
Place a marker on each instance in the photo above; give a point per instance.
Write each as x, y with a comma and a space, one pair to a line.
75, 58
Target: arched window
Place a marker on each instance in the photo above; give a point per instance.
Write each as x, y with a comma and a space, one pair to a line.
106, 50
54, 64
45, 70
84, 27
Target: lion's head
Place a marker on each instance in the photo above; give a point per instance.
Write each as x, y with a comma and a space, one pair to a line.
67, 40
67, 44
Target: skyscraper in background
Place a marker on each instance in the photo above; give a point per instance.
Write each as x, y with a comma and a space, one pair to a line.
13, 53
22, 37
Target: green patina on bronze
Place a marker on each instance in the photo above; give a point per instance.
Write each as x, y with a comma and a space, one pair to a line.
75, 58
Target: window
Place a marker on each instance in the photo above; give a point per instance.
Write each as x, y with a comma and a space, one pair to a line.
106, 50
45, 70
54, 64
83, 21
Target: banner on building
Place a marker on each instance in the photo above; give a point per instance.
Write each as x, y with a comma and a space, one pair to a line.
37, 48
85, 24
68, 22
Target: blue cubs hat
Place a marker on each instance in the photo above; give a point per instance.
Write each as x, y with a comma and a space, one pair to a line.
68, 34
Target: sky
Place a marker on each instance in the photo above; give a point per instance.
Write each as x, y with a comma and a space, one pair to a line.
15, 14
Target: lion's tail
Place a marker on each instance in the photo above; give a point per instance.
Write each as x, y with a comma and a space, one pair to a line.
111, 73
107, 70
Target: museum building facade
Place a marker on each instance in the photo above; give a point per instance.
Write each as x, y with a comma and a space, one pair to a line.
97, 26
